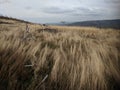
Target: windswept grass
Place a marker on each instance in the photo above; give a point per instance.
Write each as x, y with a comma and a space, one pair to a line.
75, 59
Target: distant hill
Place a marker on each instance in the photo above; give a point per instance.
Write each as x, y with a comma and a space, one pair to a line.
115, 24
10, 18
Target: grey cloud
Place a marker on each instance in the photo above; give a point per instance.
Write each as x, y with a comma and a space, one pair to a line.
82, 11
28, 8
1, 14
89, 14
75, 11
112, 1
57, 10
114, 6
4, 1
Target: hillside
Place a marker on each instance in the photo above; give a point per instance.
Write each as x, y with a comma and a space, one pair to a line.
115, 24
6, 20
58, 57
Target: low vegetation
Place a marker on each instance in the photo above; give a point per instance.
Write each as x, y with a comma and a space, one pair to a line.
65, 58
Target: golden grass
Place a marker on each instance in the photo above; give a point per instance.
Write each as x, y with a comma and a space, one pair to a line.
74, 58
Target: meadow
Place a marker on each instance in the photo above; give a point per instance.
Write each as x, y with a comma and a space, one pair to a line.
58, 57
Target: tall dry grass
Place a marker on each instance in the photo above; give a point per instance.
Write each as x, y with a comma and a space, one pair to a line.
76, 59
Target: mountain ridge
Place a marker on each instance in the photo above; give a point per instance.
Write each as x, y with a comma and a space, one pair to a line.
115, 23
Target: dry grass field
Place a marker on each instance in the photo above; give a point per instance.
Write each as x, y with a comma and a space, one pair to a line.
58, 57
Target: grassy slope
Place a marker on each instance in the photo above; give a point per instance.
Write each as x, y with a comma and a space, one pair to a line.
65, 58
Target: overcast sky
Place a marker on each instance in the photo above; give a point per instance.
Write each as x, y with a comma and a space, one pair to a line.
48, 11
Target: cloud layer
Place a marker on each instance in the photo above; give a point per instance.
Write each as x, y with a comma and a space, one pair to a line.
57, 10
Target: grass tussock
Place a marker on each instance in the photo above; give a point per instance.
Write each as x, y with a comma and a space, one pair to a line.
75, 59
